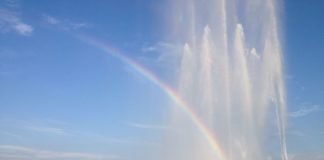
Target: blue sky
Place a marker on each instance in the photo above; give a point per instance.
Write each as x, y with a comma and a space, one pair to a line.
304, 53
61, 95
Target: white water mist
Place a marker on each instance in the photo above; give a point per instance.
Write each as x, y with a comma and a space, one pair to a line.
231, 74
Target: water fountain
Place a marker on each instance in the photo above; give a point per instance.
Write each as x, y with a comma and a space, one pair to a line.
231, 77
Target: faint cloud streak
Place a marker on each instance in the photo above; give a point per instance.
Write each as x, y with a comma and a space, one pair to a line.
10, 20
147, 126
304, 111
66, 25
13, 152
51, 130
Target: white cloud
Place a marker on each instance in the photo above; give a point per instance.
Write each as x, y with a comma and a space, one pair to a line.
11, 21
304, 111
13, 152
78, 25
50, 19
64, 24
24, 29
164, 54
158, 47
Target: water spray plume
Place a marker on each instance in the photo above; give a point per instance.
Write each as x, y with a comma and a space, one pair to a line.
231, 84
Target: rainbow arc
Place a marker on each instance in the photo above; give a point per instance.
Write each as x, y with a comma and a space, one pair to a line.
170, 92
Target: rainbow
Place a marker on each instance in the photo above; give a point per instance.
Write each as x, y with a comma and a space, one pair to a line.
212, 141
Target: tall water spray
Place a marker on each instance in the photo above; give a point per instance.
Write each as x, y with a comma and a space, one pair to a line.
231, 77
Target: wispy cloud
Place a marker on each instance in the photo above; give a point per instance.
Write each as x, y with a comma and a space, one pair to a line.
64, 24
47, 127
147, 126
10, 3
158, 47
10, 19
112, 140
163, 49
4, 133
165, 52
13, 152
51, 20
50, 127
23, 28
56, 122
304, 111
50, 130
